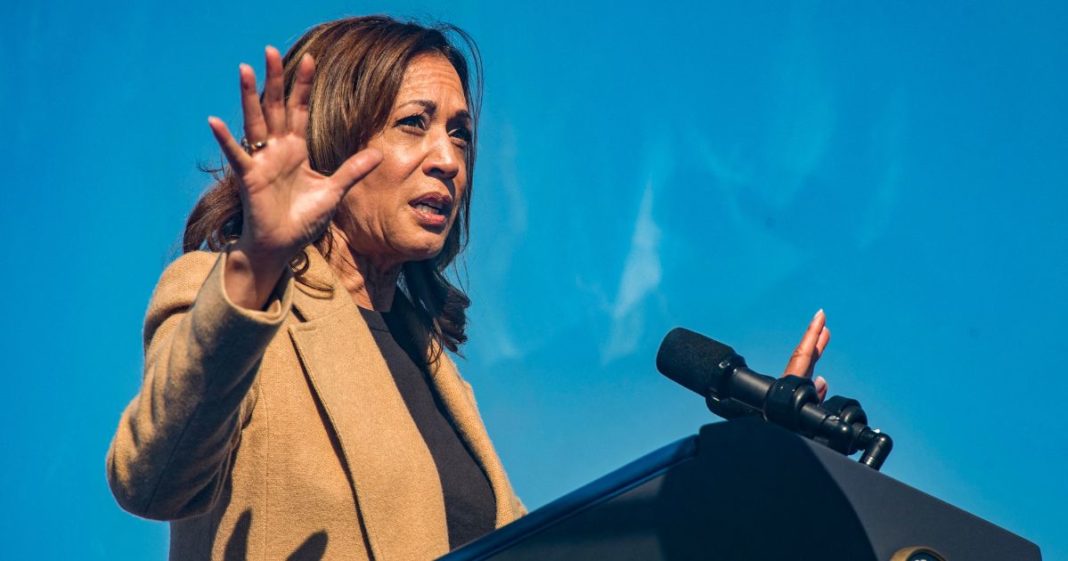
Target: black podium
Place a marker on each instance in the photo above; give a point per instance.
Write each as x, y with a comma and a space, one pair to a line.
748, 490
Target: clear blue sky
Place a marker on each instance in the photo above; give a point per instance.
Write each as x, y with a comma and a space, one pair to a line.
731, 168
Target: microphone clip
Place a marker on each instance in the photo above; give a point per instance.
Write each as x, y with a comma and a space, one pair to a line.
792, 402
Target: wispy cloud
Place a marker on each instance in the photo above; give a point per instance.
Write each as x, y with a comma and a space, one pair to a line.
641, 276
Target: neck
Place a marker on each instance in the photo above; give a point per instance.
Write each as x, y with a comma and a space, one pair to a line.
370, 281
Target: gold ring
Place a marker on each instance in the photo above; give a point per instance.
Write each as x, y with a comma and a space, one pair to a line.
253, 146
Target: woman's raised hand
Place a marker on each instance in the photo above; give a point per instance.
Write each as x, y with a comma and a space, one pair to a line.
286, 204
813, 342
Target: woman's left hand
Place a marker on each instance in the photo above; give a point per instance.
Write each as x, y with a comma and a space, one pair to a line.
808, 351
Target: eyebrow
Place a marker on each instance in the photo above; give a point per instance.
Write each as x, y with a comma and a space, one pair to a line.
431, 108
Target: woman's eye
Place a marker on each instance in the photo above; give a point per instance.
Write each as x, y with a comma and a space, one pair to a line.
416, 121
462, 133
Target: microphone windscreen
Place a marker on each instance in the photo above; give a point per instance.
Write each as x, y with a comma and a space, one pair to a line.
692, 360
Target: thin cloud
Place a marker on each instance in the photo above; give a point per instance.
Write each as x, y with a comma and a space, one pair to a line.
641, 277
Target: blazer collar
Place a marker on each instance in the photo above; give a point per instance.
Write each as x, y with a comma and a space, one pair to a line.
377, 438
319, 293
359, 397
456, 394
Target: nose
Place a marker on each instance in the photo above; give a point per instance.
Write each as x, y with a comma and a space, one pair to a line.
443, 160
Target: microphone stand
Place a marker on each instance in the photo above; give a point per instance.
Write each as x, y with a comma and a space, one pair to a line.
793, 403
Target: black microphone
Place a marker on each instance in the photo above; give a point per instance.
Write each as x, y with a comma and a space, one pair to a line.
714, 371
731, 389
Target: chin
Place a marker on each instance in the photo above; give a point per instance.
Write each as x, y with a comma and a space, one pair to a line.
425, 249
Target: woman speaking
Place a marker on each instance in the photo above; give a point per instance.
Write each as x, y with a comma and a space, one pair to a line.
297, 401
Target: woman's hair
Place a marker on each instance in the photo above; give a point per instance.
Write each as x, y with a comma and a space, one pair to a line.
360, 64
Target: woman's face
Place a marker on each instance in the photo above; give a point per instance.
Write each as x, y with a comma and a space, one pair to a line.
403, 210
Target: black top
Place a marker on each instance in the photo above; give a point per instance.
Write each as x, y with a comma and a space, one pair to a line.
470, 507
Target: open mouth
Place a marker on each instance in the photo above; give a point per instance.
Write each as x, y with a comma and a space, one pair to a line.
433, 205
429, 208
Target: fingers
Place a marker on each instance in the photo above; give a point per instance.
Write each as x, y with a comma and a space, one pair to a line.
821, 342
274, 111
297, 106
275, 116
808, 350
821, 387
355, 168
820, 382
239, 160
255, 126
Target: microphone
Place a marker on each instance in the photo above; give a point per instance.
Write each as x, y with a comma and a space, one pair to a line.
714, 371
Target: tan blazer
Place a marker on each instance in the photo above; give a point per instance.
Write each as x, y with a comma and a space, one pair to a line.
265, 435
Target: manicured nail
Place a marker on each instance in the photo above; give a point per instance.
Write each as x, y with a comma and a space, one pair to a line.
818, 313
820, 383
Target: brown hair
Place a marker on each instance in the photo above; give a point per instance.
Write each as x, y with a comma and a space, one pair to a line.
360, 64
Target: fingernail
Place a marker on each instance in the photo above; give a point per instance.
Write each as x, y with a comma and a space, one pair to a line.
817, 314
820, 383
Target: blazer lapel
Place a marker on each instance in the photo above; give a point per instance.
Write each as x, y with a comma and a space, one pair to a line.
456, 396
395, 481
462, 410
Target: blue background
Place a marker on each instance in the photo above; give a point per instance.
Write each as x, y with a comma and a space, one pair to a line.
731, 168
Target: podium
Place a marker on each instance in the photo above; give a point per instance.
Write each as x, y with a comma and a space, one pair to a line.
747, 490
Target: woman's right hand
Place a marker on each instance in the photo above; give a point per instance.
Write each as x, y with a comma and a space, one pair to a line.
286, 204
808, 352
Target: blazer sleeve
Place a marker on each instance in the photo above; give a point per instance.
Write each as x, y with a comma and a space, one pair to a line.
174, 443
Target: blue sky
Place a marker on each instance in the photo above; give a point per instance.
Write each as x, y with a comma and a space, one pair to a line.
730, 168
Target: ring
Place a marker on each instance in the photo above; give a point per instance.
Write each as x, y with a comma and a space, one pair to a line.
253, 146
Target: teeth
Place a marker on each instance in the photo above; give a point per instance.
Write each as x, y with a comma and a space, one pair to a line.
423, 207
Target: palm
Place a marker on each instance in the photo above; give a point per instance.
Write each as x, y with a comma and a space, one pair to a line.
286, 204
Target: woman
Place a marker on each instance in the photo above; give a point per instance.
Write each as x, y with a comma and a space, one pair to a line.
296, 397
278, 412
